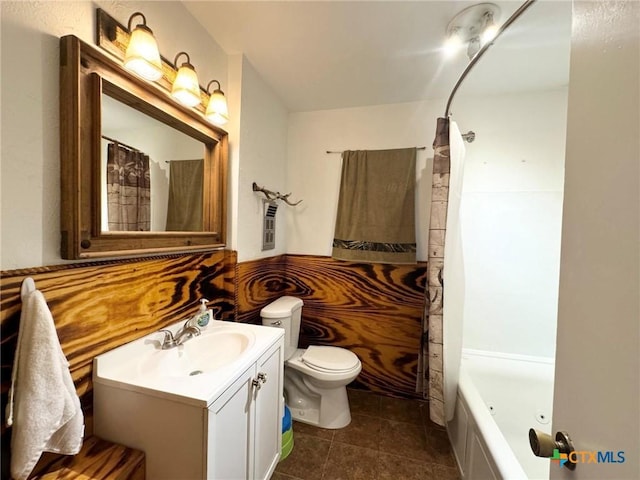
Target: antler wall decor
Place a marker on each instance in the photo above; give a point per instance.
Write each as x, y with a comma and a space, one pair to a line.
274, 195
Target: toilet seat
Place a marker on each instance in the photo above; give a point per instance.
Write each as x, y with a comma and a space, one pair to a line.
297, 363
328, 359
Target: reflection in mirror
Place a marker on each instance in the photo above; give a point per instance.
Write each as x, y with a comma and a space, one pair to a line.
171, 182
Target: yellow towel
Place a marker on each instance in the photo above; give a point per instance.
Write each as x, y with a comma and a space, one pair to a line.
44, 408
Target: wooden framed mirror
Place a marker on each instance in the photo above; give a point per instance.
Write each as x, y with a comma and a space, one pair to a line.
96, 93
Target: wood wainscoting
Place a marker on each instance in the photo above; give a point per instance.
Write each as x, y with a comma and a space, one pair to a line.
100, 305
374, 310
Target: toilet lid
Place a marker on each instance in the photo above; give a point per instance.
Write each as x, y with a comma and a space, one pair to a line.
333, 359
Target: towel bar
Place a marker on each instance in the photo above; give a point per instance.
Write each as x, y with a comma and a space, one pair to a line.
274, 195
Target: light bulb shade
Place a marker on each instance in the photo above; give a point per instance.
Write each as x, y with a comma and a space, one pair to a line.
453, 43
186, 88
489, 33
474, 47
142, 56
217, 110
473, 27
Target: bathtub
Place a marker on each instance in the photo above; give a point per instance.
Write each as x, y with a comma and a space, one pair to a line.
499, 398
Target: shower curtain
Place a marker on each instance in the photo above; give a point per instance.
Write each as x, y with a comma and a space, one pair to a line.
128, 189
442, 320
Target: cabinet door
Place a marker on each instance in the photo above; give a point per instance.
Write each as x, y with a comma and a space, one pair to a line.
229, 425
268, 414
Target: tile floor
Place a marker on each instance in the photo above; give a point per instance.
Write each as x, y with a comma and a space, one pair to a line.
387, 439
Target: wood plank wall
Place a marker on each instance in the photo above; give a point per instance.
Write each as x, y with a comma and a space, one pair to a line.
374, 310
259, 282
100, 305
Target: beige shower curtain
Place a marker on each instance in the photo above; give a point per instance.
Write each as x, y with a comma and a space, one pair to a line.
128, 189
184, 211
376, 208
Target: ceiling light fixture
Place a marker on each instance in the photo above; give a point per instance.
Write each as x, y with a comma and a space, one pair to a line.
217, 110
142, 56
186, 88
454, 42
474, 26
490, 29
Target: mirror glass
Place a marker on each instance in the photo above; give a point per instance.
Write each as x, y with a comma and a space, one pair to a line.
175, 203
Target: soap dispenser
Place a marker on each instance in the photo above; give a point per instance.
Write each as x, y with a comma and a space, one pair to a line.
204, 315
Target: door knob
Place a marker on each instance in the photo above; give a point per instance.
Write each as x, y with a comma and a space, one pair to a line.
543, 445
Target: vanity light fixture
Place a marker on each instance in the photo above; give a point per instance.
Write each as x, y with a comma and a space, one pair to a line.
142, 55
217, 110
186, 88
474, 27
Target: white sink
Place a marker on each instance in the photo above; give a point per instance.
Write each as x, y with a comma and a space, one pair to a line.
194, 372
202, 354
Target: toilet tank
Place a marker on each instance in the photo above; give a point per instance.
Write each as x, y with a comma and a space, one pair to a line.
285, 312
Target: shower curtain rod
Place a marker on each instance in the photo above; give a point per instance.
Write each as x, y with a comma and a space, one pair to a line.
120, 143
335, 151
468, 137
484, 48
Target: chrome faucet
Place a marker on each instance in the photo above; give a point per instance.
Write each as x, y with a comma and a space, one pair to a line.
188, 331
169, 341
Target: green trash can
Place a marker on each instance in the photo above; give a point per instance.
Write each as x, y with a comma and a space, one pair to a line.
287, 434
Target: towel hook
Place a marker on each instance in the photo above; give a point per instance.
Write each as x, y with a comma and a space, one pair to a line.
274, 195
28, 286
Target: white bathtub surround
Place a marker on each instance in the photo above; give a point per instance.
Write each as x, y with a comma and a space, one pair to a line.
512, 214
499, 398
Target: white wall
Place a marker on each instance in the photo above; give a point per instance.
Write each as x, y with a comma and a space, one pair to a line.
314, 175
513, 201
262, 154
511, 216
29, 152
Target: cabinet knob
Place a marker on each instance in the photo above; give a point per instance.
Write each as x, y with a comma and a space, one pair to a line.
261, 378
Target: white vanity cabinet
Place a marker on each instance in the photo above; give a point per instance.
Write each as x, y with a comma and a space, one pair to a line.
245, 423
229, 427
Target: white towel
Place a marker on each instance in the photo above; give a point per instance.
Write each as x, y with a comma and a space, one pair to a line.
43, 407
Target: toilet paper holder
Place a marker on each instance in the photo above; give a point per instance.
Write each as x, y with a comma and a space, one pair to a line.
543, 445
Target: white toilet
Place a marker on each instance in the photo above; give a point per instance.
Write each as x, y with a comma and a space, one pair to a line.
315, 378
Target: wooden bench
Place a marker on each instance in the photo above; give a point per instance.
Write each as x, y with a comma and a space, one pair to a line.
98, 460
